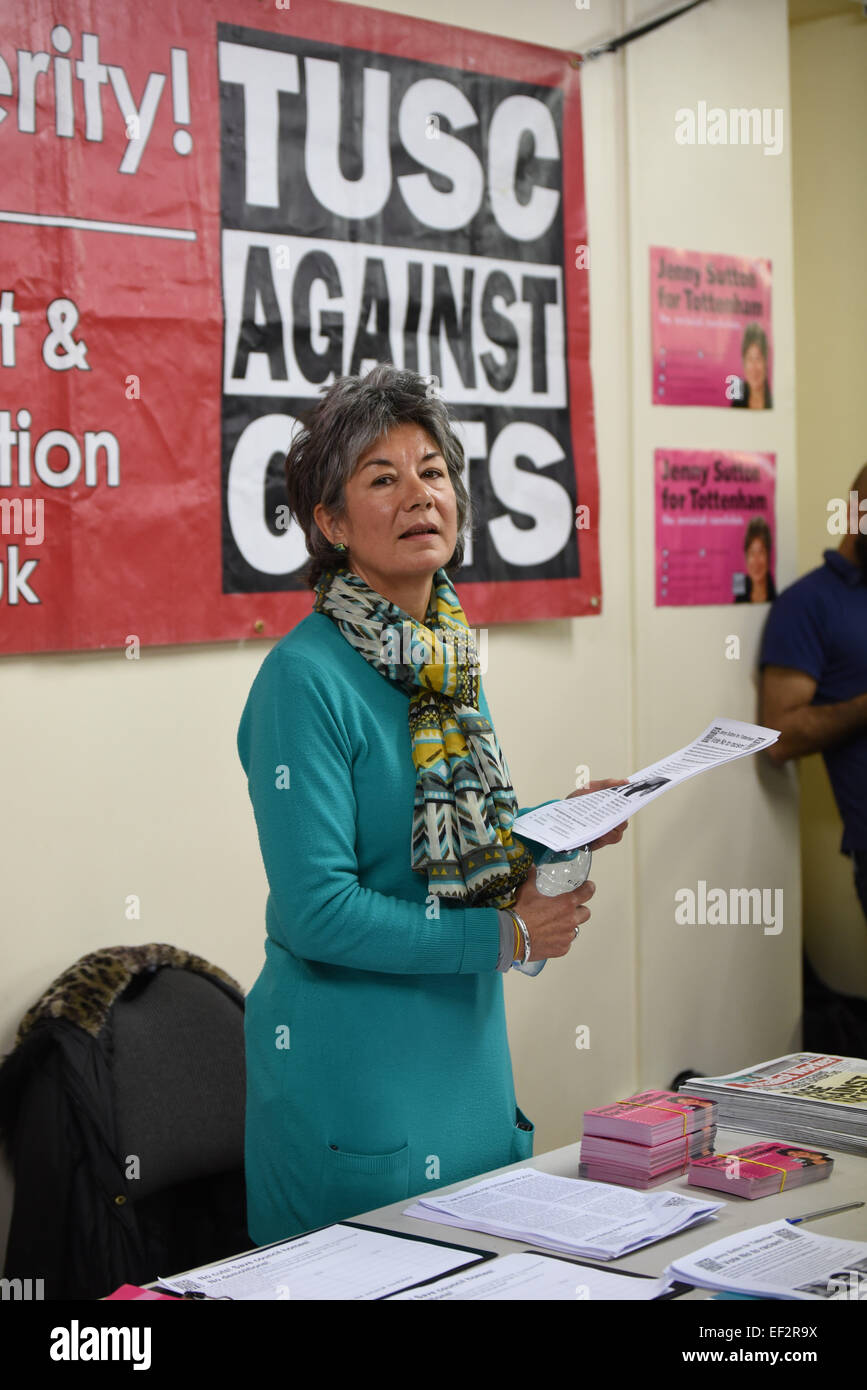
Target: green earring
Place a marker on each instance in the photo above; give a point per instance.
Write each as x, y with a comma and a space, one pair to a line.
340, 546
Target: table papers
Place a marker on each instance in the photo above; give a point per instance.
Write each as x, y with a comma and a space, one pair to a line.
568, 1214
779, 1261
527, 1277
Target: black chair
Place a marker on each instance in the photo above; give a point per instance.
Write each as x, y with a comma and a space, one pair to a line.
682, 1076
122, 1111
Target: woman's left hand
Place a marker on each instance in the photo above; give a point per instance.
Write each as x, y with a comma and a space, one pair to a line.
616, 835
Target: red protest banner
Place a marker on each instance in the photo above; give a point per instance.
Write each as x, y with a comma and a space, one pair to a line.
209, 214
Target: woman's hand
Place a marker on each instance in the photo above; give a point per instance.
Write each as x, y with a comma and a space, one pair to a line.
616, 835
551, 922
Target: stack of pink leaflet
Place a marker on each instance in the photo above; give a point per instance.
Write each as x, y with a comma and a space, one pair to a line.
647, 1139
758, 1170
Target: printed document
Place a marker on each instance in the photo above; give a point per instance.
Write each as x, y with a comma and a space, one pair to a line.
571, 1215
339, 1262
779, 1261
578, 820
527, 1277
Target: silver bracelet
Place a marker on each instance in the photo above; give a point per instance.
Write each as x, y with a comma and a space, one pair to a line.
524, 933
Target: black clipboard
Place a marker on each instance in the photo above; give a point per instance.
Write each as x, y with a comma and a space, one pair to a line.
481, 1256
425, 1240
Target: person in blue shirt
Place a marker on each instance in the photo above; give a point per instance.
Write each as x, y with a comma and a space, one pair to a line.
813, 664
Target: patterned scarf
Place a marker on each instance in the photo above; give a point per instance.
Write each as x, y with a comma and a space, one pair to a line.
464, 800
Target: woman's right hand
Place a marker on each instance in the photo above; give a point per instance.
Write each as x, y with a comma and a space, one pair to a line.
551, 922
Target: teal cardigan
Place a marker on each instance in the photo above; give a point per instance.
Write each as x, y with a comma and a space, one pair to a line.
378, 1061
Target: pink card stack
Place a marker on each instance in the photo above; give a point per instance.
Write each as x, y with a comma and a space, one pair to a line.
759, 1170
647, 1139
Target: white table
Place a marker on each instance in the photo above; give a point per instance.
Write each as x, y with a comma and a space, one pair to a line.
847, 1183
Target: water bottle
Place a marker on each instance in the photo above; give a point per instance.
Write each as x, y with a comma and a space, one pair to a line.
561, 870
558, 871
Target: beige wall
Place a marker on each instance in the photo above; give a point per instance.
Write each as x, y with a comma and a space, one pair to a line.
710, 997
125, 773
829, 118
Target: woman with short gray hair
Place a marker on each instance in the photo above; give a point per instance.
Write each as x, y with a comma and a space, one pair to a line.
378, 1062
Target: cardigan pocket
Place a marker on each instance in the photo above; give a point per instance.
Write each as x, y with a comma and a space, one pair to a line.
523, 1135
352, 1183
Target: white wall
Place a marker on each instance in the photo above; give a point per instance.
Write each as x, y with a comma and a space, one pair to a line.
125, 773
710, 997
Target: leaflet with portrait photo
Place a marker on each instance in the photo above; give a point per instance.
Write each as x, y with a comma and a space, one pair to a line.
564, 825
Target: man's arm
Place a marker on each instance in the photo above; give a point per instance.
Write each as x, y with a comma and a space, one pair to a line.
785, 704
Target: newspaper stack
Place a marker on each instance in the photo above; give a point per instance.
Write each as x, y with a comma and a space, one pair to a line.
758, 1170
647, 1139
806, 1097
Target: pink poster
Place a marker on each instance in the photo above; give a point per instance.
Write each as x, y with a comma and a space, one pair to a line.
711, 318
715, 531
